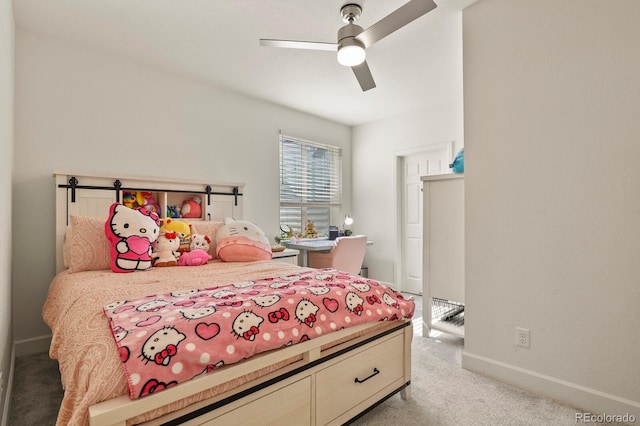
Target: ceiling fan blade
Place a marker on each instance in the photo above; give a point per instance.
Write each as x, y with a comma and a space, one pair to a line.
292, 44
395, 20
364, 77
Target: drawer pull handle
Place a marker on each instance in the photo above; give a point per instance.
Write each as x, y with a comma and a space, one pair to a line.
375, 373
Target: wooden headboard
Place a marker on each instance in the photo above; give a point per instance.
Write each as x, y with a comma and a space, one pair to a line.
86, 194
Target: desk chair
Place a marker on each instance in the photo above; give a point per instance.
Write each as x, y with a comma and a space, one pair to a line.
346, 255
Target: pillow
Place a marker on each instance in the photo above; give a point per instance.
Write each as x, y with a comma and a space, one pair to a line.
210, 229
241, 241
85, 246
131, 233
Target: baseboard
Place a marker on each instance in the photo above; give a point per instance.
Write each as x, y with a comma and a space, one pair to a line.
32, 346
584, 399
7, 394
35, 345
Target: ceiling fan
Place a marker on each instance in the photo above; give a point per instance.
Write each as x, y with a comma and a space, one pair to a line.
353, 39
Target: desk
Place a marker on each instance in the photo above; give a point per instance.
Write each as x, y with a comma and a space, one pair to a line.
310, 244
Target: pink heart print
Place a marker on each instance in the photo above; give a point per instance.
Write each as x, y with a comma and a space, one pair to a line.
207, 331
149, 321
138, 245
330, 304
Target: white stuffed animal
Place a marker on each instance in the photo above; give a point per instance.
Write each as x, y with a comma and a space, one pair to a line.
198, 251
165, 249
242, 241
199, 241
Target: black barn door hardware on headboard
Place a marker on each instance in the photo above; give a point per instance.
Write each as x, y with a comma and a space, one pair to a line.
117, 186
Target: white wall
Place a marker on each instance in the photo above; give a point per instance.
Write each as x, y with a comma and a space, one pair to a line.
79, 109
7, 34
376, 147
552, 193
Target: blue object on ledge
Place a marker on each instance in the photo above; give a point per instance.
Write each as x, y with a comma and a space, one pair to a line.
458, 162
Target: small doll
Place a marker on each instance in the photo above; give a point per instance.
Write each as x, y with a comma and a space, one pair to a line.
198, 253
165, 250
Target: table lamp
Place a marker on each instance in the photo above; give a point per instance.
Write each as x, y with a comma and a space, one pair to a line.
348, 221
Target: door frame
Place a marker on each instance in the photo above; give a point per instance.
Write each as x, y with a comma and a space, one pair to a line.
398, 177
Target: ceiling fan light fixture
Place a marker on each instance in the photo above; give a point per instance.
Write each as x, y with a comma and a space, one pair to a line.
351, 55
353, 39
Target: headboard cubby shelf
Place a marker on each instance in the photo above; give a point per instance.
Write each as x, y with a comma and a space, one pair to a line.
90, 194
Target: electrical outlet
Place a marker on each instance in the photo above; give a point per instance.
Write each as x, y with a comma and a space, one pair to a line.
522, 337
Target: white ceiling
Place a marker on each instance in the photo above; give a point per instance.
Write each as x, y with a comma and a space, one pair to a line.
217, 41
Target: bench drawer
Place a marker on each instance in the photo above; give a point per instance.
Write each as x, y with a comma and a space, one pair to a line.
344, 385
290, 405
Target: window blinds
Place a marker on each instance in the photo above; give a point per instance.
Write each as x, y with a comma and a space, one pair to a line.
310, 182
310, 173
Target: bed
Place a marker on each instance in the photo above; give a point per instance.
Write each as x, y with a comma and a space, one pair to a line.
330, 378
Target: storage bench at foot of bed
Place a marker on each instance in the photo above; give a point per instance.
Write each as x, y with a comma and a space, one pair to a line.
326, 387
328, 393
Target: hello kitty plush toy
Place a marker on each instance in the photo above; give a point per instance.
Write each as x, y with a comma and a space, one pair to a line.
242, 241
131, 232
198, 251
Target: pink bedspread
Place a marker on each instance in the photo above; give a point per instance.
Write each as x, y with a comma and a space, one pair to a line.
166, 339
90, 365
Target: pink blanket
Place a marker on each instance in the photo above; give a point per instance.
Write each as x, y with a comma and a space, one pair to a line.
169, 338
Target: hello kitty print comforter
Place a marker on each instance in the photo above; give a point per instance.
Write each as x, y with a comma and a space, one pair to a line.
166, 339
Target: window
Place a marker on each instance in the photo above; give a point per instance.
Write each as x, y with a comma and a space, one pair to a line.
310, 184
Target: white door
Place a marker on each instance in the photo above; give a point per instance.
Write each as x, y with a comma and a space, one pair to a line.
432, 162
